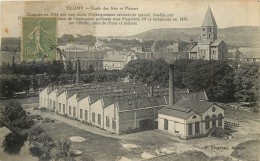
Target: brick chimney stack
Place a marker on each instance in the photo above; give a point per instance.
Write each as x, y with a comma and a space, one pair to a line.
171, 85
77, 74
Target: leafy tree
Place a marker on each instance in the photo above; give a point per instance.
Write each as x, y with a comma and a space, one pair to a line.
63, 151
6, 68
14, 117
246, 79
41, 143
56, 69
147, 71
90, 69
215, 77
13, 142
69, 68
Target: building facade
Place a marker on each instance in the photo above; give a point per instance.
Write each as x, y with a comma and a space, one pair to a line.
209, 47
190, 118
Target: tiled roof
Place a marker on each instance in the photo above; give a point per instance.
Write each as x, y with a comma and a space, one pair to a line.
194, 104
185, 108
216, 42
114, 56
176, 112
194, 49
135, 103
209, 19
94, 98
60, 90
108, 101
82, 95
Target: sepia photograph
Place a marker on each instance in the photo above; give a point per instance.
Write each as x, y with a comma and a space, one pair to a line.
130, 80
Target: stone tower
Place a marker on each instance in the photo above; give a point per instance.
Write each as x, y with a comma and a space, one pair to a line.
208, 29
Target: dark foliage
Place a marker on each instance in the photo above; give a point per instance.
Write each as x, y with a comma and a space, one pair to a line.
41, 143
13, 143
14, 117
214, 77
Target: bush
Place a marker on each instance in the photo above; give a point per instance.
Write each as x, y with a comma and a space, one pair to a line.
14, 117
13, 142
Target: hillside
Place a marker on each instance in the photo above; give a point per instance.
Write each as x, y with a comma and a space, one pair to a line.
239, 35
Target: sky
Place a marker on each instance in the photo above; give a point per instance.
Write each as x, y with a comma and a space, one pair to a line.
227, 13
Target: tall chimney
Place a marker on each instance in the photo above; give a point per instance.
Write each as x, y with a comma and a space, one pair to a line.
77, 74
171, 85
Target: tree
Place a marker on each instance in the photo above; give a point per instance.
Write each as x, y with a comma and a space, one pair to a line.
41, 143
90, 69
245, 81
69, 68
14, 117
13, 142
56, 69
6, 68
63, 151
147, 71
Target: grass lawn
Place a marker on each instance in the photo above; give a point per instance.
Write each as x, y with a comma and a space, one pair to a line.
240, 114
28, 100
96, 146
249, 152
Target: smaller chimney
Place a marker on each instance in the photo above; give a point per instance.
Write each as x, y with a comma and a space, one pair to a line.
151, 91
77, 74
171, 85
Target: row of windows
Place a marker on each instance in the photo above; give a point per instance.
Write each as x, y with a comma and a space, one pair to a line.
86, 115
197, 124
214, 120
107, 120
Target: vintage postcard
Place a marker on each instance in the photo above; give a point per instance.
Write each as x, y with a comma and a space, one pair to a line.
130, 80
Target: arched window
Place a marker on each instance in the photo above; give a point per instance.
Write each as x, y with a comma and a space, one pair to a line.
194, 117
214, 118
220, 117
207, 118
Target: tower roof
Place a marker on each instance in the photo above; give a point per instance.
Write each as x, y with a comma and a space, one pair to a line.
209, 19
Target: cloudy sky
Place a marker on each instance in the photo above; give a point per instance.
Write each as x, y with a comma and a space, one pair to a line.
226, 12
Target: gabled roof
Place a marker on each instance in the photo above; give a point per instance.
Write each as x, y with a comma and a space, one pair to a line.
194, 49
70, 93
209, 19
82, 95
216, 42
186, 107
60, 90
94, 98
108, 101
136, 103
176, 112
197, 106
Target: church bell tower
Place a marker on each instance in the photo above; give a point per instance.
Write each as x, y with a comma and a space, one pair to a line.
208, 29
